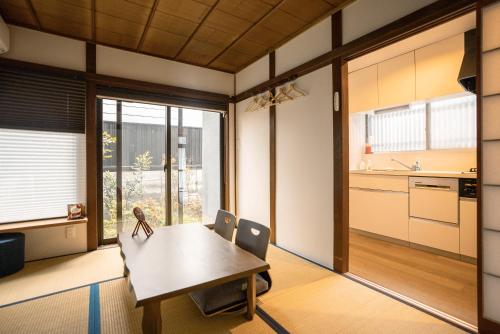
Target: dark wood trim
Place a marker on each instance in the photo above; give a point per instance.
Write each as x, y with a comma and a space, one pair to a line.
91, 61
235, 144
272, 154
484, 325
168, 162
92, 161
93, 20
106, 80
33, 14
148, 24
262, 18
423, 19
227, 157
340, 154
196, 29
119, 163
119, 47
479, 162
222, 159
45, 69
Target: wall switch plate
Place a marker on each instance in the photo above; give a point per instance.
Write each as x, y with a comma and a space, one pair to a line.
70, 232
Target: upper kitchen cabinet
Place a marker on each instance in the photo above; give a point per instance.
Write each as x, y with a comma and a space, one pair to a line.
437, 68
363, 89
396, 80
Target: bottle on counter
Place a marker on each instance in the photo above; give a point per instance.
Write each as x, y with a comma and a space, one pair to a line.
369, 165
362, 165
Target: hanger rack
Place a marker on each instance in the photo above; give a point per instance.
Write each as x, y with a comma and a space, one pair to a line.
285, 93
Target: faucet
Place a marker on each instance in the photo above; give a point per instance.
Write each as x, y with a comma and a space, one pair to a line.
415, 167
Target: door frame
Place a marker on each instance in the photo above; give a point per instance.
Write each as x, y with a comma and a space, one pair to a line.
168, 154
392, 33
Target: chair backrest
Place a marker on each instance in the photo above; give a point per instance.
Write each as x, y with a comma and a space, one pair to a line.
253, 237
224, 224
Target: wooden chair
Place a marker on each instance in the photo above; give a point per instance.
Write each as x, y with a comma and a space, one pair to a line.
231, 296
225, 222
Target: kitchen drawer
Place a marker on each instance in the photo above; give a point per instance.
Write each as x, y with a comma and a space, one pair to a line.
434, 204
379, 182
380, 212
435, 234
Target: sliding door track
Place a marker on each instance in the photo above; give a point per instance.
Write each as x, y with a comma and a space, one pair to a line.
415, 304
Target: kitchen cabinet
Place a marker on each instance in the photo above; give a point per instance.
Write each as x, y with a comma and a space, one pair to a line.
434, 234
437, 67
396, 80
468, 227
379, 182
363, 89
380, 212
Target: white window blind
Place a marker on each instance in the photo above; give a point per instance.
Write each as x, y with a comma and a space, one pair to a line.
398, 129
40, 173
453, 123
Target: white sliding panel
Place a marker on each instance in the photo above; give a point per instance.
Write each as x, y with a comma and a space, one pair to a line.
304, 169
490, 89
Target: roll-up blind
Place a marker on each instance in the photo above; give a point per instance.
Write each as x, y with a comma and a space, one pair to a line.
35, 101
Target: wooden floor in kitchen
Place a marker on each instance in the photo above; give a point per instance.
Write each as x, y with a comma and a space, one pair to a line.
440, 282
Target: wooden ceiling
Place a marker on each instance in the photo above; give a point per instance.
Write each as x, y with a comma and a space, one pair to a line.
225, 35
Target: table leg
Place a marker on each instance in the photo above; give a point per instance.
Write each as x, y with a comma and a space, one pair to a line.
251, 296
151, 319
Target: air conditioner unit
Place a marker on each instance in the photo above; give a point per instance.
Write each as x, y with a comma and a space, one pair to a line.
4, 37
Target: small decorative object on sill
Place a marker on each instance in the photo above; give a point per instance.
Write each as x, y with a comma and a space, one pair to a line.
141, 222
76, 211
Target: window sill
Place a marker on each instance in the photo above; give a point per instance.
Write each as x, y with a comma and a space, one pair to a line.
35, 224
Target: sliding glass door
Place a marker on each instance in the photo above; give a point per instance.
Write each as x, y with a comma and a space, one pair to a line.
165, 160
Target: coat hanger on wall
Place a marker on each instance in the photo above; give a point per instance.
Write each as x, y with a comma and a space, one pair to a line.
285, 93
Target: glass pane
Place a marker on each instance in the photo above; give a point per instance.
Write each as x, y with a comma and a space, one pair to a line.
143, 158
453, 123
196, 170
398, 129
109, 116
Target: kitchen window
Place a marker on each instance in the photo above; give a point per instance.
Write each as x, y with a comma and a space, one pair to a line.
443, 124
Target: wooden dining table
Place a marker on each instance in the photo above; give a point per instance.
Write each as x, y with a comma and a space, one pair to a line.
180, 259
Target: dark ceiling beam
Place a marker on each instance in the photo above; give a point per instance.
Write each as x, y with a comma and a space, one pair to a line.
148, 24
262, 18
423, 19
33, 14
196, 29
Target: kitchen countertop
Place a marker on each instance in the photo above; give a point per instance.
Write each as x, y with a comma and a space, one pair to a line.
425, 173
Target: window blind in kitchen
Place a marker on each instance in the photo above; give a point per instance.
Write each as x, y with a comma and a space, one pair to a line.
453, 123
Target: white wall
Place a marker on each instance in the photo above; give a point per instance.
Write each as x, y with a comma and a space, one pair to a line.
364, 16
47, 49
252, 75
304, 168
130, 65
49, 242
252, 170
312, 43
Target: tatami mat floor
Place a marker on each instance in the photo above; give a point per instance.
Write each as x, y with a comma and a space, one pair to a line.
305, 298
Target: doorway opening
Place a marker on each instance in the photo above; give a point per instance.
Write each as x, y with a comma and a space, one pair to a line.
165, 159
412, 161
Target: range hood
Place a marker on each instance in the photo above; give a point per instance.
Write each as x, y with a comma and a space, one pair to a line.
467, 74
